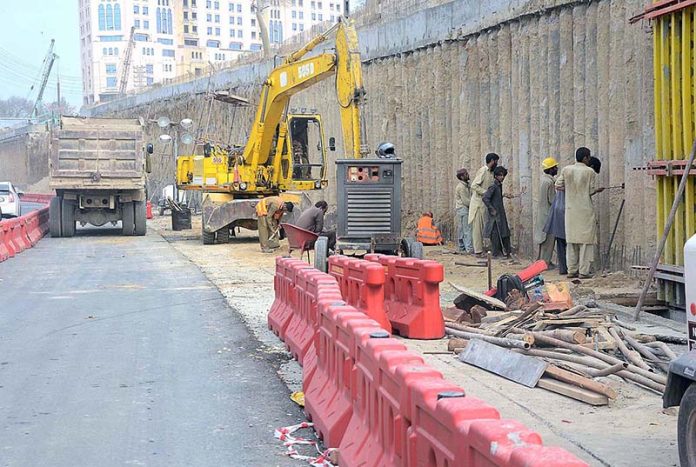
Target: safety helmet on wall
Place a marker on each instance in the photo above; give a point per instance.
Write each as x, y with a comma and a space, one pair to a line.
386, 151
548, 163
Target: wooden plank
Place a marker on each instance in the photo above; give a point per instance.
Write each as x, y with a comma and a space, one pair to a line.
580, 381
514, 366
574, 392
477, 298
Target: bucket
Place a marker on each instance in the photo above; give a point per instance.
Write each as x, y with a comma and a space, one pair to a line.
181, 220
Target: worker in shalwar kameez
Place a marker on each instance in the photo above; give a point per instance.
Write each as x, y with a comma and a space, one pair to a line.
545, 241
578, 183
477, 210
269, 212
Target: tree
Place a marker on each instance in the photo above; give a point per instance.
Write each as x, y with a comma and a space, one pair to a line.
15, 107
65, 108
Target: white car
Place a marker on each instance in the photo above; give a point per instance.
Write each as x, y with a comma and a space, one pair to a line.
9, 200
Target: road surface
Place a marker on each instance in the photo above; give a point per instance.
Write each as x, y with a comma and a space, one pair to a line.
118, 351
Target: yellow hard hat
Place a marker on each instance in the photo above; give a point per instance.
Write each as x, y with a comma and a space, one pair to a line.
548, 163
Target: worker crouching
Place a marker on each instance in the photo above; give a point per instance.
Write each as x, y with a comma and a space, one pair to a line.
427, 232
269, 212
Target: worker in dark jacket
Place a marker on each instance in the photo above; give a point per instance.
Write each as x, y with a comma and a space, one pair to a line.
497, 229
312, 219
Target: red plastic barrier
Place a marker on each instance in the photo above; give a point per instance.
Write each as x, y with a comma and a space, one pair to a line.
20, 233
311, 287
362, 285
284, 305
36, 198
526, 274
148, 210
328, 393
412, 296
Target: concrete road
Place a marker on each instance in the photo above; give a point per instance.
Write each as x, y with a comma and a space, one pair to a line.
118, 351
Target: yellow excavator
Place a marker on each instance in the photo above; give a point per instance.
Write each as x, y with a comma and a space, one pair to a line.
285, 152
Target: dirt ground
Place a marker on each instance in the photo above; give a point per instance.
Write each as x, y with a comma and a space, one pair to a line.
633, 430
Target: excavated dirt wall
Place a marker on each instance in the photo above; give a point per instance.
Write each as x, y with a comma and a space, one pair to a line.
559, 75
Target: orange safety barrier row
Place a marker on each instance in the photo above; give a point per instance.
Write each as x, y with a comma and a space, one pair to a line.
362, 285
381, 405
412, 296
20, 233
36, 198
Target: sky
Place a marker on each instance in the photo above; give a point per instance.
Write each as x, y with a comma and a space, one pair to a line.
27, 29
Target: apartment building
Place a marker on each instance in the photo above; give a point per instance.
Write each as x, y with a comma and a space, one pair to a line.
180, 37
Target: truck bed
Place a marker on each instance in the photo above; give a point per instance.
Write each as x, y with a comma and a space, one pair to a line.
97, 154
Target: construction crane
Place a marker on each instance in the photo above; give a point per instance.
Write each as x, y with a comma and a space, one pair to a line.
45, 74
125, 66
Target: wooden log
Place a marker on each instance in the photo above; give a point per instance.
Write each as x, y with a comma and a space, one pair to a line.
664, 348
644, 338
574, 392
580, 381
621, 324
511, 343
571, 311
592, 362
647, 352
631, 355
573, 337
599, 355
671, 339
610, 370
465, 328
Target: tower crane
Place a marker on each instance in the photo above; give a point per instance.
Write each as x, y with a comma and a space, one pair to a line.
45, 73
125, 66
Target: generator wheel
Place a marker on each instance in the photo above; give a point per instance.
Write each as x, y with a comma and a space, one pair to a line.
321, 254
54, 221
411, 248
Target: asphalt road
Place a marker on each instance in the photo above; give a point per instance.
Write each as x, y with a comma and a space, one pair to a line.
118, 351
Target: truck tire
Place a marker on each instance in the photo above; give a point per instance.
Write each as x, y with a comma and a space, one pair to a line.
140, 217
127, 219
686, 427
321, 254
67, 218
54, 217
223, 235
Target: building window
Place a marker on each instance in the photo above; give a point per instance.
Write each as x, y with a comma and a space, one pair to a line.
149, 69
104, 52
191, 42
211, 43
217, 18
208, 4
255, 47
321, 17
294, 14
253, 34
239, 7
333, 18
140, 37
235, 46
314, 16
294, 26
300, 2
110, 38
102, 17
194, 29
217, 5
110, 69
320, 5
168, 53
149, 80
209, 18
231, 19
111, 82
314, 5
231, 7
294, 2
253, 21
210, 31
109, 18
194, 15
186, 15
232, 32
186, 28
164, 41
136, 23
301, 15
239, 33
146, 25
136, 9
185, 3
217, 31
145, 10
301, 27
239, 20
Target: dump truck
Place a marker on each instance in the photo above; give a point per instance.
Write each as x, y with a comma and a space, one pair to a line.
97, 167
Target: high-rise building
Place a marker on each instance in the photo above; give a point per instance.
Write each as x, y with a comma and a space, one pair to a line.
178, 37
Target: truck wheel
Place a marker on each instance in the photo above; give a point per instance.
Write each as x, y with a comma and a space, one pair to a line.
208, 238
127, 219
67, 218
140, 218
686, 424
321, 254
54, 217
223, 235
411, 248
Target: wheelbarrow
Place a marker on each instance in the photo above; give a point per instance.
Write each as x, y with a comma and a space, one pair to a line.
299, 239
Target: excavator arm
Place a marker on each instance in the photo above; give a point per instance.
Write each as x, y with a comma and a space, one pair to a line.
298, 73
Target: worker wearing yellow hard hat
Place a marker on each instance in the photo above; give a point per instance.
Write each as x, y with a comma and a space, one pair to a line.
547, 193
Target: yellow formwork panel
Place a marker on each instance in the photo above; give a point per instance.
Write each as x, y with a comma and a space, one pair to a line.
675, 121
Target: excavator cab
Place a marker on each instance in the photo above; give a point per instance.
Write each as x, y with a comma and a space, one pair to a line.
308, 152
